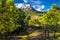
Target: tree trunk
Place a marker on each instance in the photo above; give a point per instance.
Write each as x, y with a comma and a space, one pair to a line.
44, 33
55, 32
48, 34
3, 37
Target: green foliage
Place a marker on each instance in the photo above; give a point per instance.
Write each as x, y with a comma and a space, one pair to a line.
8, 18
49, 19
32, 19
11, 18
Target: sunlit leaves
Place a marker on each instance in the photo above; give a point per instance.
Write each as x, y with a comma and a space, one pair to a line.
0, 3
8, 18
32, 20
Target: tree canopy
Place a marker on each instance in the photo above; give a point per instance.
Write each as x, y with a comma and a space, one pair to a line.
11, 17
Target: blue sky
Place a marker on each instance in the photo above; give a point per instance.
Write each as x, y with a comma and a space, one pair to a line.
37, 4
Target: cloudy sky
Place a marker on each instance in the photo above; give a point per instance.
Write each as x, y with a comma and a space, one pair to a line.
37, 4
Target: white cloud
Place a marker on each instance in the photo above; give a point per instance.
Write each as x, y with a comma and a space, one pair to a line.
33, 6
25, 1
36, 2
21, 5
27, 5
42, 7
39, 7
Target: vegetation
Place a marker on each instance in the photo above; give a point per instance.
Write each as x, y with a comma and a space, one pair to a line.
12, 18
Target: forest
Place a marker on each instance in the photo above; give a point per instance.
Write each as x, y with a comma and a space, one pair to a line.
19, 24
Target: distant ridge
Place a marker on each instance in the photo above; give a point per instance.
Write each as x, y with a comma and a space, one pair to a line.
29, 8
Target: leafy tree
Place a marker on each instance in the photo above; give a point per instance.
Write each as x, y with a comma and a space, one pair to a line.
8, 17
50, 19
32, 20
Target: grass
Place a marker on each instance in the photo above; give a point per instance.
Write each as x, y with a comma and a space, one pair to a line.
36, 34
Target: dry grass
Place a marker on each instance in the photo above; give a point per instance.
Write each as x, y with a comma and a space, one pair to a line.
35, 33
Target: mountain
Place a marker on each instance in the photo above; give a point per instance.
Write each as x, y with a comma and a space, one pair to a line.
29, 8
